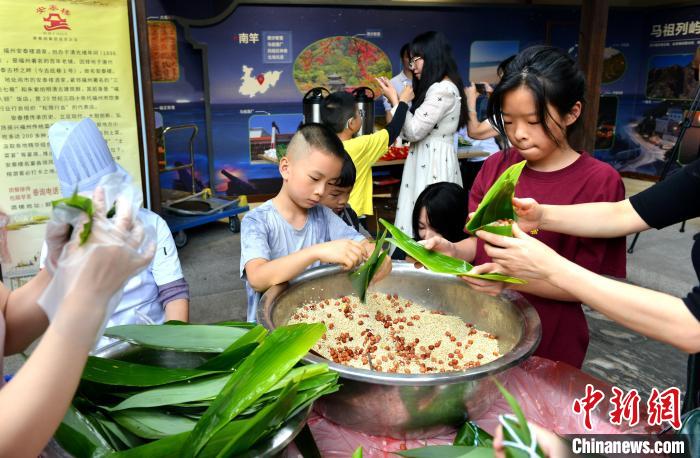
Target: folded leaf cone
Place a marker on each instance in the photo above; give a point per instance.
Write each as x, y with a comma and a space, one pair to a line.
497, 204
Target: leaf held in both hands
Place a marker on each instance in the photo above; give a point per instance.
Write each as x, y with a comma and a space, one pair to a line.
438, 262
362, 277
497, 204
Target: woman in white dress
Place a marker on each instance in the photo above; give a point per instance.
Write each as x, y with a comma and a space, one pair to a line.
437, 113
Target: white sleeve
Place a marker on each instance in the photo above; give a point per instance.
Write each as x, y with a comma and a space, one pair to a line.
165, 266
387, 105
438, 102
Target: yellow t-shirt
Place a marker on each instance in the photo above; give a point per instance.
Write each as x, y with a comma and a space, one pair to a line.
365, 150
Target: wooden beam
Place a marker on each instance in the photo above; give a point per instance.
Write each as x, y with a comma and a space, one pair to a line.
591, 44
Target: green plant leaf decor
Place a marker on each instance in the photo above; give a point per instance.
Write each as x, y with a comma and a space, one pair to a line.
438, 262
497, 205
361, 277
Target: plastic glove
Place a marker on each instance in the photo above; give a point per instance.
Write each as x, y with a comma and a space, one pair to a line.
58, 232
117, 249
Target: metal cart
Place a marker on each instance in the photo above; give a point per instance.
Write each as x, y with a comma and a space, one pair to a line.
197, 208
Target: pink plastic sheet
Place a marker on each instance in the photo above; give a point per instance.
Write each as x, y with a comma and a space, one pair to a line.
544, 389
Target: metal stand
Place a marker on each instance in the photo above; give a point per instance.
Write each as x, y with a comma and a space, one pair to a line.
675, 153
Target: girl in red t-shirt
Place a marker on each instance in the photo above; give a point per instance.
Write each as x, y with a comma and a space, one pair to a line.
537, 105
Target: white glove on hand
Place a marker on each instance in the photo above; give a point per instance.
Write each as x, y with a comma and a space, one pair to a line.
57, 234
116, 250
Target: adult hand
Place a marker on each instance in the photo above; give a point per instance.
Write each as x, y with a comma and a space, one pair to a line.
406, 94
521, 255
346, 253
551, 444
487, 87
388, 90
490, 287
530, 213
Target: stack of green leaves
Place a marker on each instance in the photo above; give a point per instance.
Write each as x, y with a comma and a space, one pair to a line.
438, 262
497, 204
245, 386
361, 278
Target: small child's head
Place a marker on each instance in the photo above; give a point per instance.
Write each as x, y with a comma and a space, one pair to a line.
539, 101
314, 159
441, 209
338, 192
340, 113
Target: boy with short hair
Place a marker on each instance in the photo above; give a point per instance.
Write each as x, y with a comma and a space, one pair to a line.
291, 232
340, 114
338, 193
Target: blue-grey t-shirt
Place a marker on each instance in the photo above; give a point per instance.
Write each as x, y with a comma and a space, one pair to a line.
266, 234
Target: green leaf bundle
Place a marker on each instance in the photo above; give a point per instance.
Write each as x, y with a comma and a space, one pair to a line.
438, 262
497, 204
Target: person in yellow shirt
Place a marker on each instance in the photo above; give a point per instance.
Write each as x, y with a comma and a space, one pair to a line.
341, 115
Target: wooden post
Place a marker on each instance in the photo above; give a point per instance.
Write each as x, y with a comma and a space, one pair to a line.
591, 44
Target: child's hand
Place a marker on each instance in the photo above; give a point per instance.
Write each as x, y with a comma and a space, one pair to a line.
388, 90
383, 271
529, 213
346, 253
406, 94
437, 244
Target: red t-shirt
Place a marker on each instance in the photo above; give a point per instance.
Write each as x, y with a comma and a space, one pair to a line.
564, 328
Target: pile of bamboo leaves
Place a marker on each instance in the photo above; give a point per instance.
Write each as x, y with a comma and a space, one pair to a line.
236, 387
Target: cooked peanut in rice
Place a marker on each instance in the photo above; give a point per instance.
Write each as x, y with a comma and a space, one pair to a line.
395, 335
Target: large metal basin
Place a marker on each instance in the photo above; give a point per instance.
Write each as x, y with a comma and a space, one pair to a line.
406, 405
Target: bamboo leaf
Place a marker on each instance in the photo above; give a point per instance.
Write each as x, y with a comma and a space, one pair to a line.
190, 338
497, 204
357, 453
438, 262
115, 372
238, 350
249, 432
83, 204
470, 434
521, 427
125, 437
268, 363
447, 451
193, 390
79, 438
361, 277
152, 424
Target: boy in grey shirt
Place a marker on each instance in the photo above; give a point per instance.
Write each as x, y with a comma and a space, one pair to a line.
291, 232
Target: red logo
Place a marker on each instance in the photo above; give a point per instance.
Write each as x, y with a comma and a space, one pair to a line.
56, 19
587, 403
